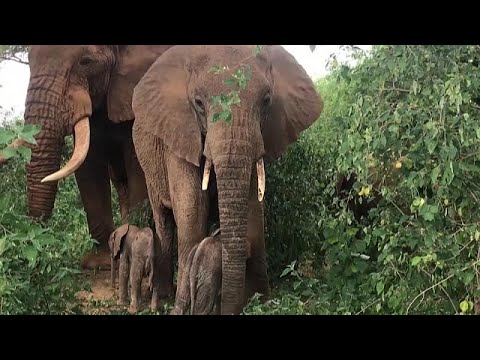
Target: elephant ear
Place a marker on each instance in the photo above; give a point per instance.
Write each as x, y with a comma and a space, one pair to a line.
132, 62
161, 104
118, 238
295, 102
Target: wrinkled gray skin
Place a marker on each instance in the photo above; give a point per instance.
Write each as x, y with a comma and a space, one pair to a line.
205, 268
174, 138
134, 247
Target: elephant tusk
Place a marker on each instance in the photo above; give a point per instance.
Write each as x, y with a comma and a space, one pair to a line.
82, 143
206, 174
261, 179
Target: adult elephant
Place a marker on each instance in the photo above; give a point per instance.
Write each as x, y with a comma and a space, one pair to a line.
175, 144
86, 90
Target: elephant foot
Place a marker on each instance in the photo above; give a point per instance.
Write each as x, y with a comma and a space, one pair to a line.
97, 259
132, 309
176, 311
122, 302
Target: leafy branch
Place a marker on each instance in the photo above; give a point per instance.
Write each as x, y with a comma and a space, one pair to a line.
13, 53
238, 81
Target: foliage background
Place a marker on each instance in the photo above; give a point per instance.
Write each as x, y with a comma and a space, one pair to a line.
404, 122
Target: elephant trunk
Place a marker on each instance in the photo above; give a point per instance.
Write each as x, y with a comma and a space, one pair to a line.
42, 108
45, 160
233, 183
233, 159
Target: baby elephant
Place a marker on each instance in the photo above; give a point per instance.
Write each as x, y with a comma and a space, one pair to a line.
205, 263
134, 247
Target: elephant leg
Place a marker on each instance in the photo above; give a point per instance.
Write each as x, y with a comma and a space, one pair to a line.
256, 272
137, 186
136, 275
162, 279
162, 267
121, 187
190, 209
93, 181
123, 275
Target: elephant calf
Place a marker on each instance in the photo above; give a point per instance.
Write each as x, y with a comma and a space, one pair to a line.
206, 275
134, 247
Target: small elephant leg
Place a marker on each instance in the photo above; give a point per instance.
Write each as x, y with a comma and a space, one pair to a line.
113, 270
256, 273
136, 275
123, 279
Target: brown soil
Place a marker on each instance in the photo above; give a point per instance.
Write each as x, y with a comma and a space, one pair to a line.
99, 298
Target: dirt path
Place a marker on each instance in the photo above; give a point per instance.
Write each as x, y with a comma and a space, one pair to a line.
99, 298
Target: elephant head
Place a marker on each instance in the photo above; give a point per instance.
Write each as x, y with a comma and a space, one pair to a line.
173, 102
67, 84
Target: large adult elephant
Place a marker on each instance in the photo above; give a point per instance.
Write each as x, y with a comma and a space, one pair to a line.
176, 142
86, 90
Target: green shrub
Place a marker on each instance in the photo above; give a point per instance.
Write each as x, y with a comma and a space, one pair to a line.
406, 122
38, 263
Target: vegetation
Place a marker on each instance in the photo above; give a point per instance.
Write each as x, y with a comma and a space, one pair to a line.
399, 235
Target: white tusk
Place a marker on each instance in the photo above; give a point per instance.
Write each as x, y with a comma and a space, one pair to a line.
82, 143
206, 174
261, 179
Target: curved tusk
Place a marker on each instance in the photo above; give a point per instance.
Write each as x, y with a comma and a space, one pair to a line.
82, 143
261, 179
206, 174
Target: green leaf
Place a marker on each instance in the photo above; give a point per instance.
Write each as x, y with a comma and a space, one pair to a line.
435, 172
231, 82
416, 260
414, 87
285, 272
25, 152
257, 49
8, 152
46, 239
468, 277
31, 255
31, 130
217, 69
2, 245
464, 306
380, 286
6, 137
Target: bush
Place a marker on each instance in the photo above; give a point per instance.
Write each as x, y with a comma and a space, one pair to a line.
405, 123
38, 264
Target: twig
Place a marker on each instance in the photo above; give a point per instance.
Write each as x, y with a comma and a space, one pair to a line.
437, 284
14, 58
366, 307
449, 298
444, 291
475, 106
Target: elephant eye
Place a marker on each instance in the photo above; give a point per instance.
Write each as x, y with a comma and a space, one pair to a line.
199, 104
86, 60
267, 100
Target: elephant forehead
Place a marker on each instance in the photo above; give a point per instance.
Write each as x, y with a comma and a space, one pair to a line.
55, 51
66, 54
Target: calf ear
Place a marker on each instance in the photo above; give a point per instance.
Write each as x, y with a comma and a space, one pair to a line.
118, 239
